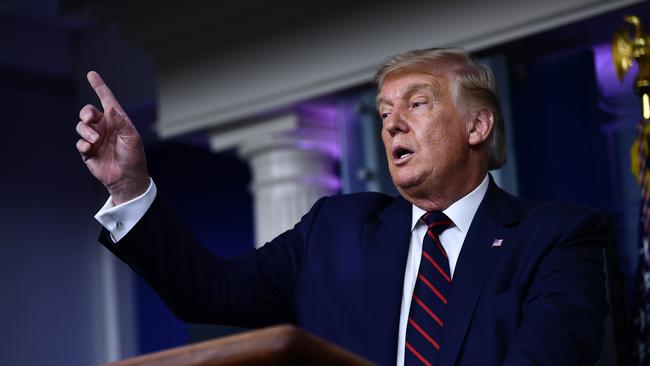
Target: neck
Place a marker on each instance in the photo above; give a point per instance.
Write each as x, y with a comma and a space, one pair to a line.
439, 196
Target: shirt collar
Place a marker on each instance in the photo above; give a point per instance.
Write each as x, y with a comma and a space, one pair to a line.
460, 212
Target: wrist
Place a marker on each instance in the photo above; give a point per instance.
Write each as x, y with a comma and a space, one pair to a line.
128, 188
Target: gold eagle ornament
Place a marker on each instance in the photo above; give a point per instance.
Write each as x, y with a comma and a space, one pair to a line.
625, 50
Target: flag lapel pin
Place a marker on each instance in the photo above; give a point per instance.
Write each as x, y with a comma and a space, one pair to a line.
497, 243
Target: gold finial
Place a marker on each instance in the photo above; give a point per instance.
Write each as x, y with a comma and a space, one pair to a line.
625, 50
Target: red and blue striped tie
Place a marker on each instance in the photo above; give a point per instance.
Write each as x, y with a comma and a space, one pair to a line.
428, 304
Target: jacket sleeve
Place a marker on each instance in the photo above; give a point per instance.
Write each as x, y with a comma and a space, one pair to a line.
252, 290
564, 310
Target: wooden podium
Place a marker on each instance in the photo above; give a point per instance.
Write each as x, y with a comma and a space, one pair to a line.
278, 345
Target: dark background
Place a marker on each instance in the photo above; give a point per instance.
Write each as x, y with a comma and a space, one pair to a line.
572, 125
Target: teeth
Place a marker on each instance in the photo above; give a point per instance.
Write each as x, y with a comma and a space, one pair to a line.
404, 155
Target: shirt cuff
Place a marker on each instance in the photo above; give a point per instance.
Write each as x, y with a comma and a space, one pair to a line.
120, 219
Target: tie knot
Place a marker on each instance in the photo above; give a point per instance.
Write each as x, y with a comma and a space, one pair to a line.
437, 221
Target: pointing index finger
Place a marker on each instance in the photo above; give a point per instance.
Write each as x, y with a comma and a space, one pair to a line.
105, 94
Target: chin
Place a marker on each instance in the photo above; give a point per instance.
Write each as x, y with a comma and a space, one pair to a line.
406, 184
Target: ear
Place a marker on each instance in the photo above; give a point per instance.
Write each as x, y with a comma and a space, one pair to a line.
480, 126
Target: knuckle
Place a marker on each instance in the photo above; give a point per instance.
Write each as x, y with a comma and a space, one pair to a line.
103, 91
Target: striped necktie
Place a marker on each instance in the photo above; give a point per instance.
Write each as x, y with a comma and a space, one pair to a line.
428, 304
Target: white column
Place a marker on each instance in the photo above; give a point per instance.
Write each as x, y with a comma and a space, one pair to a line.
293, 161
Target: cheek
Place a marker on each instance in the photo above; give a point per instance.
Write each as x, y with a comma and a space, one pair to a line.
385, 138
431, 138
422, 114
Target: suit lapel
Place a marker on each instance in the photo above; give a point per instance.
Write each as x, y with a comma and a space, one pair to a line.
385, 248
494, 219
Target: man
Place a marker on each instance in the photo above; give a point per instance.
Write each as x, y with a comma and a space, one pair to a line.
453, 271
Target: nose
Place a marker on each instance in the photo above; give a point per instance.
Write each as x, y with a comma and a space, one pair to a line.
396, 123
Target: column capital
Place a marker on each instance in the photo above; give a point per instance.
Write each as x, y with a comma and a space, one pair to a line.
293, 159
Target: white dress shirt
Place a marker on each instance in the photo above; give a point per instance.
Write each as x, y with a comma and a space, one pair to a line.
461, 213
118, 220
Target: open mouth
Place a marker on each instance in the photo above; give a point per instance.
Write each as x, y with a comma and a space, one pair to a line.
401, 153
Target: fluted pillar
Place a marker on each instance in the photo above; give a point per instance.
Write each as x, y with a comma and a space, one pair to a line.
293, 163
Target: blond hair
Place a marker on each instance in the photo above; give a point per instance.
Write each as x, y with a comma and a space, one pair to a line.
475, 87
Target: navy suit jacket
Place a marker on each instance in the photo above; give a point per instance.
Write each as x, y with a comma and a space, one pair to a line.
538, 299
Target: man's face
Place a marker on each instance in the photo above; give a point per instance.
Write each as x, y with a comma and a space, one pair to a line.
425, 136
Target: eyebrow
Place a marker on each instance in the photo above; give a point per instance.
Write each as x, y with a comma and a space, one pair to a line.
409, 91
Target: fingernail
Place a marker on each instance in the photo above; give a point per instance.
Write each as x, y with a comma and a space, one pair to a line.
93, 137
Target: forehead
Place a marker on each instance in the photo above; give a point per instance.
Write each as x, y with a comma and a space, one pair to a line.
402, 85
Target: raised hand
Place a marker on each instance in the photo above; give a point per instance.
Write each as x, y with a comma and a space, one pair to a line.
110, 145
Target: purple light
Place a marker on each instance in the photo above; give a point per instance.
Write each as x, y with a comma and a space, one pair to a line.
324, 115
608, 83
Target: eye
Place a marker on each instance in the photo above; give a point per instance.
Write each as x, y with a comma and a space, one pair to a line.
384, 115
417, 104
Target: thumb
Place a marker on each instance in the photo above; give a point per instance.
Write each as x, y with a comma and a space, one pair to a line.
119, 121
124, 129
